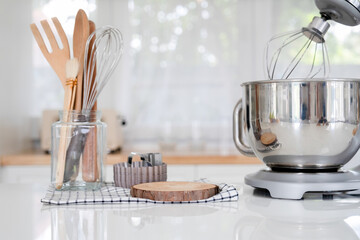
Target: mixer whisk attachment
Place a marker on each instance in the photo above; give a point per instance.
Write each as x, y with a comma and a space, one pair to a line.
103, 51
299, 54
303, 54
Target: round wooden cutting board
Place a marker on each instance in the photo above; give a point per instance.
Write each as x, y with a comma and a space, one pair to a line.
174, 191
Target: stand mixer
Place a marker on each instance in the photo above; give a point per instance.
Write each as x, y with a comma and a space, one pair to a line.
303, 129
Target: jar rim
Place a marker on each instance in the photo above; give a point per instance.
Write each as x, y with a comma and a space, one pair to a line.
80, 116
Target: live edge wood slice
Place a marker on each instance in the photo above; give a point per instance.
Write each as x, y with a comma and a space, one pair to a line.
174, 191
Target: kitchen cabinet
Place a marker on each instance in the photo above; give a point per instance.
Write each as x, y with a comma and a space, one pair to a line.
218, 173
35, 168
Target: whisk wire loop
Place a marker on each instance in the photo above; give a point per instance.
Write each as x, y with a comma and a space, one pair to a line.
271, 66
297, 58
304, 63
103, 51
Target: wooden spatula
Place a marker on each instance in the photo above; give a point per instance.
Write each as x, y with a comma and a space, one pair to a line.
57, 58
92, 28
81, 34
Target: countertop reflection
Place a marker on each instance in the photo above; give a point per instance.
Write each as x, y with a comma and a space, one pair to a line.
254, 216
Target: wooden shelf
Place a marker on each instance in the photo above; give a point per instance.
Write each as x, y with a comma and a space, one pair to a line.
44, 159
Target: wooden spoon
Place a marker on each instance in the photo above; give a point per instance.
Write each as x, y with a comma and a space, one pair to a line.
81, 34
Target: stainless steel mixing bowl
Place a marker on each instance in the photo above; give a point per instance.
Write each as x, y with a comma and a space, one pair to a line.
299, 124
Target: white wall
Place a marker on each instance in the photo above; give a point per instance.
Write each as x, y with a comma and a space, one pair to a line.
16, 78
23, 96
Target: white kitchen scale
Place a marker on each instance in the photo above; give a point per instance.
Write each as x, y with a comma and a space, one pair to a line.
293, 185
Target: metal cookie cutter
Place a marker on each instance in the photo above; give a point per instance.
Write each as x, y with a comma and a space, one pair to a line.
148, 159
149, 169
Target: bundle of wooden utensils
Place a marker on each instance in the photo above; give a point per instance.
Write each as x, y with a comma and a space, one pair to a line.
96, 53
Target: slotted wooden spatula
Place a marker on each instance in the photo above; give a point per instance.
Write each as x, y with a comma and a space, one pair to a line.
58, 57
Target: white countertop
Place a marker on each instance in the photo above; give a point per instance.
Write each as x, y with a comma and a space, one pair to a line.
254, 216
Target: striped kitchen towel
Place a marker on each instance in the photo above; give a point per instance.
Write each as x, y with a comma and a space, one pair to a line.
111, 194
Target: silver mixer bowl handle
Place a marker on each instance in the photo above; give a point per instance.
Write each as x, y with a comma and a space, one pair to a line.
238, 126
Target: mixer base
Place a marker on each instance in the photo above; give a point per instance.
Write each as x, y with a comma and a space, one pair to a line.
290, 185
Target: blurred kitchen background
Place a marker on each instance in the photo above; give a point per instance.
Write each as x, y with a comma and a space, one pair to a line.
180, 75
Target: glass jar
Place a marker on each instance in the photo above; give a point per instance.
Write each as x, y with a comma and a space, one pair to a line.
78, 148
